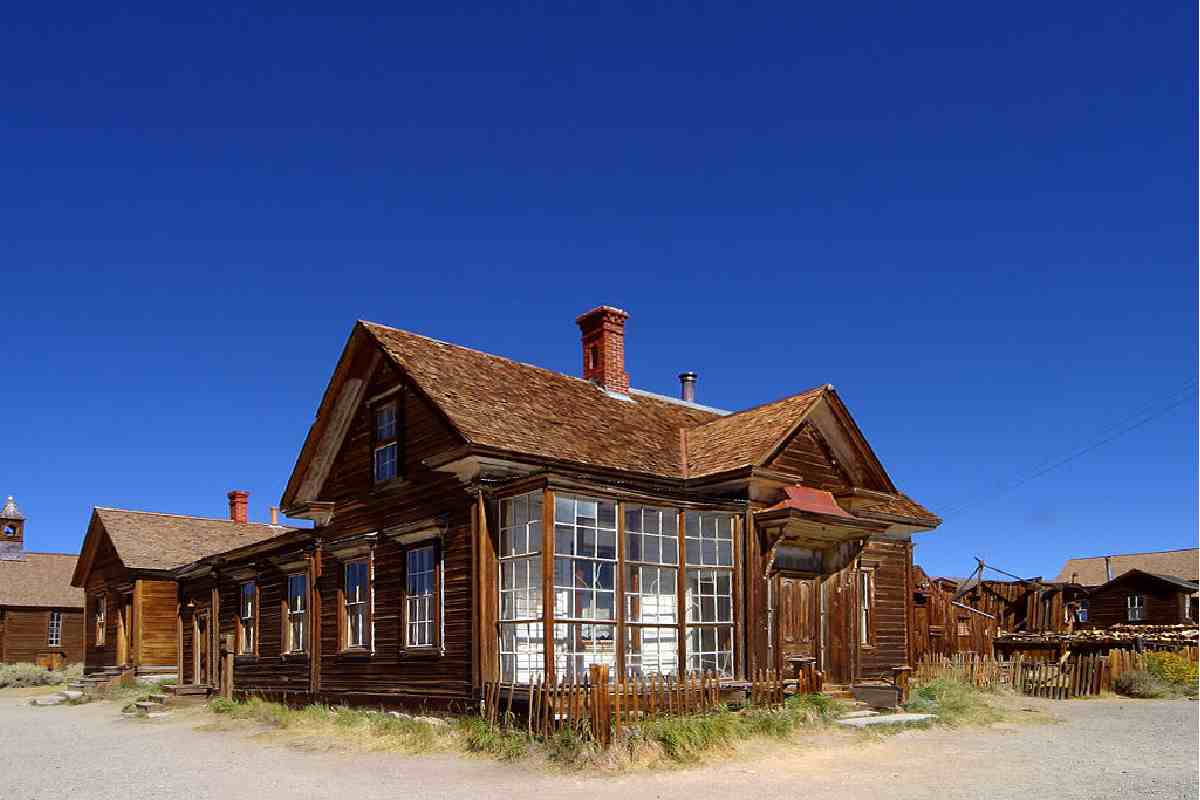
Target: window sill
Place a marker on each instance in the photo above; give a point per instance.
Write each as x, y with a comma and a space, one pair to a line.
431, 651
389, 485
296, 656
354, 654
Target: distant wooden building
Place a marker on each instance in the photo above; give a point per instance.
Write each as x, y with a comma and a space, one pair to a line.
944, 626
126, 570
1095, 571
1142, 598
479, 519
41, 615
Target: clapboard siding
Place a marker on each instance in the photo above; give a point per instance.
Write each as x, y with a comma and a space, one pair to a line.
888, 646
1108, 604
24, 634
155, 635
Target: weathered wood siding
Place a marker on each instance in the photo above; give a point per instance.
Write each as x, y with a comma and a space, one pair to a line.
24, 634
806, 454
110, 578
154, 623
888, 645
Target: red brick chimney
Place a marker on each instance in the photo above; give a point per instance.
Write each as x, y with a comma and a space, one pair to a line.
239, 504
603, 331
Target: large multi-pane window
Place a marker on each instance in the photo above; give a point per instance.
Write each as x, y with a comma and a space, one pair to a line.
357, 599
419, 592
247, 618
387, 442
522, 631
297, 608
651, 590
54, 634
585, 584
708, 545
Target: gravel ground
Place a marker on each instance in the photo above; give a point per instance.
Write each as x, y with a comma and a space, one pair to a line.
1097, 749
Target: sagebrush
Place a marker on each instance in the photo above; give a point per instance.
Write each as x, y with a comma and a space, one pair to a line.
13, 676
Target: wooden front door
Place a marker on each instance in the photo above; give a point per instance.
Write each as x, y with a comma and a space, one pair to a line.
202, 665
124, 630
837, 615
798, 637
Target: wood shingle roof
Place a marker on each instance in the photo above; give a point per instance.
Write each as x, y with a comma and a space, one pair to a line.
40, 579
153, 541
1093, 571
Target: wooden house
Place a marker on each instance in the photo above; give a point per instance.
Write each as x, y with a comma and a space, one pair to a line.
41, 615
126, 571
1142, 598
479, 519
1095, 571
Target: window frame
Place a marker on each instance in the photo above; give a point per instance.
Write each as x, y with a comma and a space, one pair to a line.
435, 598
54, 629
368, 602
581, 630
100, 621
523, 629
715, 568
380, 443
866, 606
1131, 607
254, 618
288, 647
630, 567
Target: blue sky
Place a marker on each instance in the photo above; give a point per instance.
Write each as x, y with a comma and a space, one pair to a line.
978, 223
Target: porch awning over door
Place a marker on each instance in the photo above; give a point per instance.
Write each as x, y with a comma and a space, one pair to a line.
808, 533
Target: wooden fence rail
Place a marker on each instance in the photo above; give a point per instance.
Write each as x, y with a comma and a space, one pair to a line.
1080, 676
598, 709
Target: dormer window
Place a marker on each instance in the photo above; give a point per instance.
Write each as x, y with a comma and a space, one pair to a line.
387, 441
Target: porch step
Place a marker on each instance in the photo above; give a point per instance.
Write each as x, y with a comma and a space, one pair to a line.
185, 691
147, 706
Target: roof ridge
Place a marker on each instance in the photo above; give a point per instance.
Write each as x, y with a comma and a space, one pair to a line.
1137, 553
644, 393
731, 414
190, 516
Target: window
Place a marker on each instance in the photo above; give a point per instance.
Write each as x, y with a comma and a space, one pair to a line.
297, 605
100, 620
522, 631
651, 590
708, 544
1082, 615
866, 602
585, 585
54, 635
248, 618
964, 627
1136, 605
10, 530
356, 598
387, 442
420, 584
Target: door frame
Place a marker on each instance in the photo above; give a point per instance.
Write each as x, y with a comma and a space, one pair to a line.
197, 615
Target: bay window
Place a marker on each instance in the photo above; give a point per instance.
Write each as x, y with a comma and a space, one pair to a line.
651, 590
641, 589
522, 629
708, 547
585, 585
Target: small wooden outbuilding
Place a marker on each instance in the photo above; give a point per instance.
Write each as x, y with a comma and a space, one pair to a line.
1142, 598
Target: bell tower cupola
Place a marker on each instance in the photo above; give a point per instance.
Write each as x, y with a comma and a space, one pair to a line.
12, 532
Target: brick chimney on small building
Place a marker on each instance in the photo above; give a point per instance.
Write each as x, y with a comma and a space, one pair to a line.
603, 330
239, 506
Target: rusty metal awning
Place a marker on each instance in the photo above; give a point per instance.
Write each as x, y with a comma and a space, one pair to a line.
808, 533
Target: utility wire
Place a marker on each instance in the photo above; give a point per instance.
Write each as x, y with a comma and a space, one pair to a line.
1180, 397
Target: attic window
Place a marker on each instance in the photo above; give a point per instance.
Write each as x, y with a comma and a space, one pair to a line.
10, 530
387, 441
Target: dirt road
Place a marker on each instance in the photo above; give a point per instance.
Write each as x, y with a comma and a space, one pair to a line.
1098, 749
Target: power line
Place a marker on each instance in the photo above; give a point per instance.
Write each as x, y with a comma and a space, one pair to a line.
1179, 398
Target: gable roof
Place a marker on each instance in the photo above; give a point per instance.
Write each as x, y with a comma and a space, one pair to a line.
1170, 580
1092, 571
497, 403
40, 579
149, 540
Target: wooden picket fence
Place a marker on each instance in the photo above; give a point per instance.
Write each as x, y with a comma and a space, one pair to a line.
1083, 675
598, 709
